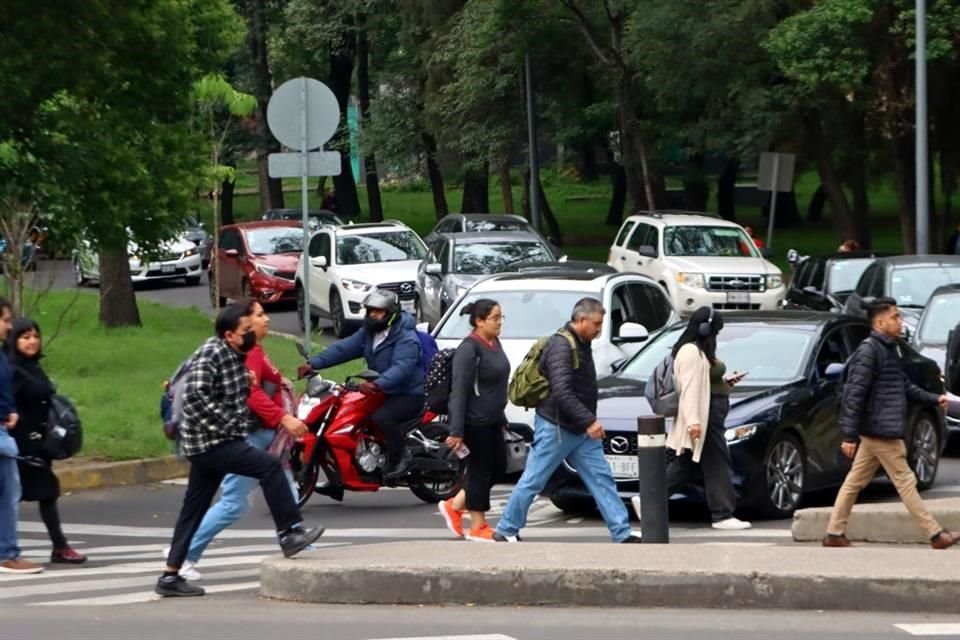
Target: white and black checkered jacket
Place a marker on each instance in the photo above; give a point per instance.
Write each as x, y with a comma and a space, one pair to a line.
215, 398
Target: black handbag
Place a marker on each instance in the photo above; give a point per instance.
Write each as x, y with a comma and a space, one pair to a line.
64, 436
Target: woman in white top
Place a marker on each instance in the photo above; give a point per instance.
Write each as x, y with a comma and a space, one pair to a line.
697, 435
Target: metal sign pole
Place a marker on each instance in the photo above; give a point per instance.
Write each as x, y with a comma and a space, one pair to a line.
304, 187
773, 198
922, 155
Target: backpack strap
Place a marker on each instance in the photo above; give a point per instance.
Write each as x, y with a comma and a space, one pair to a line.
573, 346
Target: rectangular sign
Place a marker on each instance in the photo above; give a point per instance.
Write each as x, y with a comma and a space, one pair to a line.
319, 163
784, 169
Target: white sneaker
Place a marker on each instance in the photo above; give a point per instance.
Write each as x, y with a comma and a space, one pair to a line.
731, 524
189, 569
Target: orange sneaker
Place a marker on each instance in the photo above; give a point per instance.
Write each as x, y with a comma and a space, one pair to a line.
452, 517
482, 534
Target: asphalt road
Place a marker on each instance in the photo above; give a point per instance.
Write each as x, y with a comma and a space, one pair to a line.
283, 318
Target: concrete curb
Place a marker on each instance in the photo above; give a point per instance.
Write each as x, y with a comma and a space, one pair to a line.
882, 522
639, 576
111, 474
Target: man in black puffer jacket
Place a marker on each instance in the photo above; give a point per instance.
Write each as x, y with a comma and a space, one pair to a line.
873, 411
566, 427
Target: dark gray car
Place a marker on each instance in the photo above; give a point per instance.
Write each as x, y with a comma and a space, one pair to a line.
939, 318
457, 260
197, 234
485, 223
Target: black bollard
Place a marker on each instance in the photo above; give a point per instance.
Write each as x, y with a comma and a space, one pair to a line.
652, 474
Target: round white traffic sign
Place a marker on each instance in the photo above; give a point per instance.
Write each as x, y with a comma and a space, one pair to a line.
283, 113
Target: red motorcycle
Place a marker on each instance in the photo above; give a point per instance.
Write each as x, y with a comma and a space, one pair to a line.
350, 451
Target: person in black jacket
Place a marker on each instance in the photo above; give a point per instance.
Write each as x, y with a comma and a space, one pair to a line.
873, 410
32, 390
566, 427
480, 374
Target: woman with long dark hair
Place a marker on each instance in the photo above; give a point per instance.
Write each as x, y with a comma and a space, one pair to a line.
697, 435
478, 397
32, 390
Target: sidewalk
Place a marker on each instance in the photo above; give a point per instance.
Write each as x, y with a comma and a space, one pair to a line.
723, 576
887, 522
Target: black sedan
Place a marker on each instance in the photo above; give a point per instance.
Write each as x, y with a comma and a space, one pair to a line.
823, 283
782, 427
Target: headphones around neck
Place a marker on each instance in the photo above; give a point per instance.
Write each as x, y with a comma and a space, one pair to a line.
706, 328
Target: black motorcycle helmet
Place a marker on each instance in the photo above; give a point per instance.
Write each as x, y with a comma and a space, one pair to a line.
383, 300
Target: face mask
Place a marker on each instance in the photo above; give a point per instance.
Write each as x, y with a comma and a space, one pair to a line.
249, 342
376, 326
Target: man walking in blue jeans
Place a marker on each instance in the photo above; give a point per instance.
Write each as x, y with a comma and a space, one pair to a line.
10, 560
566, 427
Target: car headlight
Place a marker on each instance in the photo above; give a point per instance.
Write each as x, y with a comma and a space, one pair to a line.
192, 251
741, 433
355, 285
691, 280
774, 281
265, 269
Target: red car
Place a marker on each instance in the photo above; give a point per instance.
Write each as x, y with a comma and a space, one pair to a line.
257, 260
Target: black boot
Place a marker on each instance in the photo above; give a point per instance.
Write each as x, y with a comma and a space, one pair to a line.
397, 468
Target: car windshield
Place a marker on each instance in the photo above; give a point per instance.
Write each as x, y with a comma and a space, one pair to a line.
314, 218
481, 258
912, 286
844, 274
770, 354
552, 309
390, 246
708, 241
483, 226
273, 240
939, 319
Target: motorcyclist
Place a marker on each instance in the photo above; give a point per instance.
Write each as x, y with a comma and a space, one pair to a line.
388, 342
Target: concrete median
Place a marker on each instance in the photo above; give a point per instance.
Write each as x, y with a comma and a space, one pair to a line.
97, 475
888, 522
568, 574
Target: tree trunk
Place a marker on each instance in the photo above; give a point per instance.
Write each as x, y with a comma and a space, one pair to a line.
436, 177
727, 189
340, 80
639, 189
618, 198
271, 189
696, 191
829, 179
903, 182
374, 203
586, 160
476, 190
817, 202
554, 234
226, 203
506, 189
118, 302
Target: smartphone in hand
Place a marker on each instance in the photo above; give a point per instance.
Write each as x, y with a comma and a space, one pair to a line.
735, 377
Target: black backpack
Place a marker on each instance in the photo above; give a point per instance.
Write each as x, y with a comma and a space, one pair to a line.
64, 436
439, 379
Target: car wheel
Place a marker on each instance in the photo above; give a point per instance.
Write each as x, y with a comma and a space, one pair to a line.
213, 293
246, 291
784, 469
574, 505
301, 305
192, 281
337, 315
79, 277
924, 450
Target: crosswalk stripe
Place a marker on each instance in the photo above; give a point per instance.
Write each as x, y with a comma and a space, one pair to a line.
930, 629
157, 555
486, 636
142, 596
102, 584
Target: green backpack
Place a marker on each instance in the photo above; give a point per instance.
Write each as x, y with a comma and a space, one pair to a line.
529, 386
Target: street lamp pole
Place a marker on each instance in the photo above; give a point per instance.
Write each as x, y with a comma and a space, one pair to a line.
534, 147
923, 173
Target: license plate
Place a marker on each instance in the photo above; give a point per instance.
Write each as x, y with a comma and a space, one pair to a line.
738, 297
623, 466
168, 268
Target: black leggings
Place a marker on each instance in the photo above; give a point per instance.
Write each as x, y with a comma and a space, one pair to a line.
485, 464
51, 519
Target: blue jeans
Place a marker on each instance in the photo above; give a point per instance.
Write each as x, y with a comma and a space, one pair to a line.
9, 496
234, 501
551, 445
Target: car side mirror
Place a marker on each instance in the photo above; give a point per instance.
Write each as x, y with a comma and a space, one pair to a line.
433, 269
320, 262
617, 364
232, 253
811, 290
647, 251
833, 371
632, 332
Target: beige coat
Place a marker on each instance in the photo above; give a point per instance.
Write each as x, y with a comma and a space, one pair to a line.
691, 373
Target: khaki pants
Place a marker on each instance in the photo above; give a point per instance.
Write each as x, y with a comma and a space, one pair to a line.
872, 453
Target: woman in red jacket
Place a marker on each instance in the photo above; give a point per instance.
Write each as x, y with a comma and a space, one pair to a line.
268, 414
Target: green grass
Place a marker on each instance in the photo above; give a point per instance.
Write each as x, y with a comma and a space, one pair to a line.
115, 376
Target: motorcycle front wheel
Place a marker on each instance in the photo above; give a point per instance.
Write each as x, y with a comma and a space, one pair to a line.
304, 476
433, 491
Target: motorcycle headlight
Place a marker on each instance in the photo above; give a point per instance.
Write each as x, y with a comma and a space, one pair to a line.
774, 281
741, 433
691, 280
355, 285
265, 269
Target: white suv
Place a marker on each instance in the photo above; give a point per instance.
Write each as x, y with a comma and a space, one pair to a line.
700, 260
347, 262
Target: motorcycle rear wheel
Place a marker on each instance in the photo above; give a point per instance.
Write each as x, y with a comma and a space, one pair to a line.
434, 491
